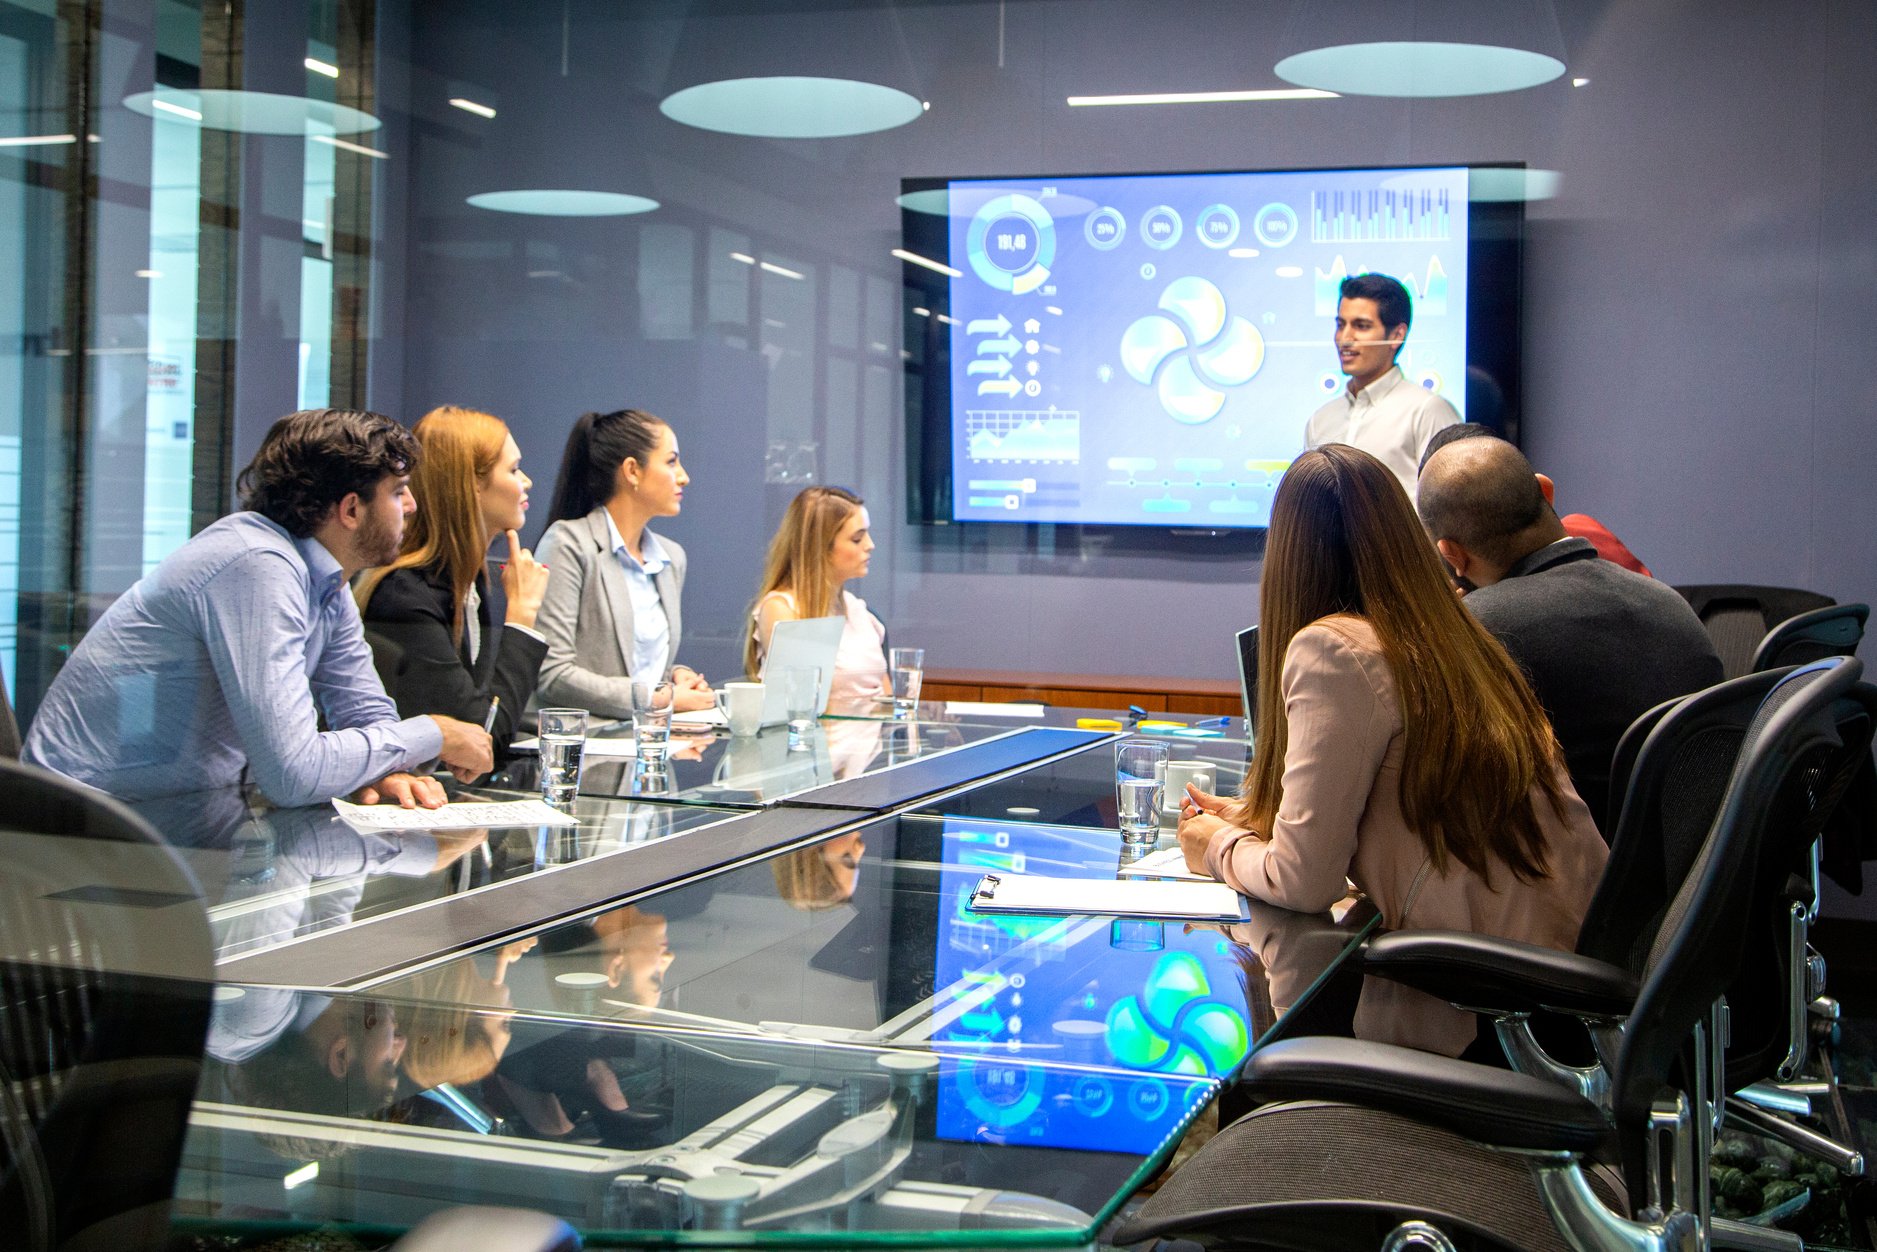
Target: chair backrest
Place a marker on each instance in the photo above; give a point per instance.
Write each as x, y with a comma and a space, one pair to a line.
1761, 833
105, 980
1248, 673
1739, 615
1834, 630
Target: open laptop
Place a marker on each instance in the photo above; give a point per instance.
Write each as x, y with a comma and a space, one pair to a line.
799, 644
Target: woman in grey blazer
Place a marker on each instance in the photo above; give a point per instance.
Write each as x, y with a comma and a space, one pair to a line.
611, 613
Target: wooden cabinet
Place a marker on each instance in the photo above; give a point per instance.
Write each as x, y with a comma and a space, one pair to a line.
1198, 696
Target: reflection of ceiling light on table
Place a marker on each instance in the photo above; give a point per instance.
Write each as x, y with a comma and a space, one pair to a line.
545, 202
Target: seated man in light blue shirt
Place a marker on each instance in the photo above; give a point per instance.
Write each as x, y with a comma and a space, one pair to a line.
219, 662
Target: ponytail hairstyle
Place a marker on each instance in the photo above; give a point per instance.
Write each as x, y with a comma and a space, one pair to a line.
460, 449
596, 447
1476, 743
801, 556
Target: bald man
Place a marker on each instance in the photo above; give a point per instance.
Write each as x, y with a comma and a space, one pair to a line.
1601, 645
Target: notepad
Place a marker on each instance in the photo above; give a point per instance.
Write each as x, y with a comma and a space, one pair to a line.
1036, 894
464, 815
980, 708
1166, 863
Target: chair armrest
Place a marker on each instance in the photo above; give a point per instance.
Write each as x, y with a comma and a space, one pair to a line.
489, 1229
1496, 1107
1500, 975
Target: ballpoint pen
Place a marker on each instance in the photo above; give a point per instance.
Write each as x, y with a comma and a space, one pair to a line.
488, 720
1208, 722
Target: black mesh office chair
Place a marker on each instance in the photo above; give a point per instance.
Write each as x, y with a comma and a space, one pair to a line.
106, 974
1248, 674
1363, 1143
1739, 616
1834, 630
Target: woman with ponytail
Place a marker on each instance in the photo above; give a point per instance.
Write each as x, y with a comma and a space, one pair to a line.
612, 610
1397, 745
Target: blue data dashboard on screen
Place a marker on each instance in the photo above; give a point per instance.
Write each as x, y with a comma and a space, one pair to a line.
1146, 350
1073, 1033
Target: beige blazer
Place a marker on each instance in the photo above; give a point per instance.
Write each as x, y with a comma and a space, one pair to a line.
586, 616
1341, 816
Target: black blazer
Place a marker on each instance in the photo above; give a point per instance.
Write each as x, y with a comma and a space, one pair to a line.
411, 608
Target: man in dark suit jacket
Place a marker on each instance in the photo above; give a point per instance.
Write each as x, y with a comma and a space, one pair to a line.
1601, 645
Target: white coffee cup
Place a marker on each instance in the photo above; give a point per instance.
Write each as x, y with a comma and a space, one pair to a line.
1180, 773
742, 706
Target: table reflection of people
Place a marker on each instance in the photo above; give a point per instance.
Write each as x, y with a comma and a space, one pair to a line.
457, 1021
588, 1083
822, 875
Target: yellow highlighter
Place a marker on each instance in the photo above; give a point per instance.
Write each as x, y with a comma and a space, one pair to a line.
1097, 723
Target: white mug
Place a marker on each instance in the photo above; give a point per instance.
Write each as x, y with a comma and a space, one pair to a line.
742, 706
1179, 773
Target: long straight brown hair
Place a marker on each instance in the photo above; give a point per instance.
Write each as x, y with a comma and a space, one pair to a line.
461, 447
801, 556
1344, 540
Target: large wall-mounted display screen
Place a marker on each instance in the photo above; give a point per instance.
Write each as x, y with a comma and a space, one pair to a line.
1146, 349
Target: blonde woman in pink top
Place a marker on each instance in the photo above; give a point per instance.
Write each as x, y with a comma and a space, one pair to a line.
1397, 746
823, 544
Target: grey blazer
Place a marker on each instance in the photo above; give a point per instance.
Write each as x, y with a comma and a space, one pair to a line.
586, 617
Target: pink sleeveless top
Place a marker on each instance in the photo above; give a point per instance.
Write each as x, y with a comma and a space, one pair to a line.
859, 663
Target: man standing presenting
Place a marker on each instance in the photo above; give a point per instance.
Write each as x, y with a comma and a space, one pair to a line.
221, 660
1600, 644
1380, 411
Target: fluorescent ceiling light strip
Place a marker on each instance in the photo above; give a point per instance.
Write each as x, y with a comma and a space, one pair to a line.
349, 146
322, 67
177, 109
744, 257
35, 141
470, 106
777, 269
928, 262
1205, 97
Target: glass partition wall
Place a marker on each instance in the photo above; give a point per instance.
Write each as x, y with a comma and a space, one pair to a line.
214, 213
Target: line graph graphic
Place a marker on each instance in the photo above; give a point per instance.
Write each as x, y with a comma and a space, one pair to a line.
1052, 436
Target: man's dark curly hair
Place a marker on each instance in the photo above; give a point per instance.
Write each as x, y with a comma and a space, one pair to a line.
313, 459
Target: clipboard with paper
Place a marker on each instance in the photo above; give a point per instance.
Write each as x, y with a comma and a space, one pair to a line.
1037, 894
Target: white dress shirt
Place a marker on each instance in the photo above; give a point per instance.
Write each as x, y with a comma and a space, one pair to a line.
651, 629
1391, 419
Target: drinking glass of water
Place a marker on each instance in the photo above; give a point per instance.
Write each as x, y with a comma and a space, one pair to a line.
800, 687
563, 740
1139, 768
907, 666
651, 720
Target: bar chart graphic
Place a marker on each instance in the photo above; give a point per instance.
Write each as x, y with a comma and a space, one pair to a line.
1379, 215
1050, 436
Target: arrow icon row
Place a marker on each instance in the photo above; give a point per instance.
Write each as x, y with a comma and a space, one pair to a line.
1005, 387
1000, 347
999, 366
999, 325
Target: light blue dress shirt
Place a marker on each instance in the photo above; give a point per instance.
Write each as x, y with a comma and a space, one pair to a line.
218, 661
651, 629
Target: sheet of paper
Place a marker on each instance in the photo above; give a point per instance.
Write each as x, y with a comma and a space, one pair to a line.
1034, 893
596, 747
1166, 863
464, 815
973, 708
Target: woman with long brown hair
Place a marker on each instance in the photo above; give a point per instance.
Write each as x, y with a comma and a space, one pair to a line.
464, 643
824, 541
1397, 745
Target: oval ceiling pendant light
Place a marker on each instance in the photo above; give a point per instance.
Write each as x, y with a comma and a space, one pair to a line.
525, 164
1422, 48
794, 74
251, 112
562, 202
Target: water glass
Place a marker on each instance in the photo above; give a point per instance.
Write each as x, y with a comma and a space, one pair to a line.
907, 666
800, 689
563, 743
1140, 767
651, 719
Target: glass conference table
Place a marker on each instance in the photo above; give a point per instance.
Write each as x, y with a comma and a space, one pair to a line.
764, 1020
